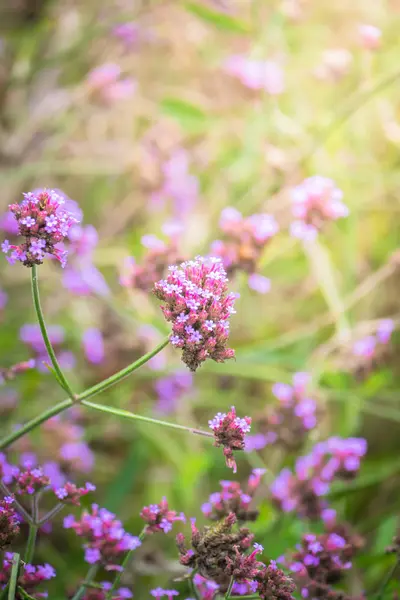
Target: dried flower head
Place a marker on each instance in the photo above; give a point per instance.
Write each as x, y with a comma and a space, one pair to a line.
43, 224
229, 432
199, 308
273, 584
214, 548
9, 522
158, 517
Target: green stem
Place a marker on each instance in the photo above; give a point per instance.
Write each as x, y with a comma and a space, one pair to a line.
30, 546
51, 514
244, 597
39, 313
124, 565
13, 576
117, 377
96, 389
387, 578
91, 574
120, 412
228, 591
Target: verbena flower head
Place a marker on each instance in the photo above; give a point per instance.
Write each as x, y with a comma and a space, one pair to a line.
93, 345
9, 522
159, 593
370, 36
273, 584
71, 494
102, 594
302, 491
214, 547
159, 517
171, 389
44, 224
232, 499
315, 201
106, 538
199, 307
30, 576
244, 567
289, 423
257, 74
229, 432
319, 562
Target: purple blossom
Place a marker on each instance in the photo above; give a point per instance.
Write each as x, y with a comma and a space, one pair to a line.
229, 432
256, 74
259, 283
93, 345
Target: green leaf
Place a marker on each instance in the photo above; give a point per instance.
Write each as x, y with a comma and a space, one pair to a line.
220, 20
14, 576
190, 116
385, 534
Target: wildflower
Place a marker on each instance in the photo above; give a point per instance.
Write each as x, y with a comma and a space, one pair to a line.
302, 491
320, 561
8, 472
71, 494
171, 389
105, 83
244, 567
229, 432
31, 335
93, 344
128, 33
106, 538
154, 265
370, 350
81, 277
232, 499
198, 289
9, 527
31, 480
370, 36
289, 423
315, 201
214, 548
43, 224
11, 372
256, 74
30, 576
273, 584
246, 239
158, 593
206, 588
101, 594
159, 518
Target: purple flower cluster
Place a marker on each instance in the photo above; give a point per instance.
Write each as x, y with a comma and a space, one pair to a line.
336, 458
315, 201
106, 538
246, 239
158, 517
31, 335
71, 494
320, 561
199, 307
106, 84
229, 432
368, 347
256, 75
93, 345
290, 422
66, 439
159, 593
43, 224
178, 185
171, 389
30, 576
9, 522
81, 277
206, 588
7, 374
232, 499
101, 594
154, 264
273, 584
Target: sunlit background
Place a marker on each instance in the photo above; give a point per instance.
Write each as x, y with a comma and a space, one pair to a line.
154, 117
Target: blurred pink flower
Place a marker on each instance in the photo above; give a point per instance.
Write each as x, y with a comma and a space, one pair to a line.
105, 82
256, 74
370, 36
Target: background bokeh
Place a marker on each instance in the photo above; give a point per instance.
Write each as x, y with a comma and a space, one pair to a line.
330, 106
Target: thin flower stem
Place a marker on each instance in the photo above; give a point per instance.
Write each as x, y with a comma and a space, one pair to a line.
51, 514
19, 506
387, 578
96, 389
117, 377
39, 313
30, 546
13, 576
124, 565
251, 596
228, 591
91, 574
119, 412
